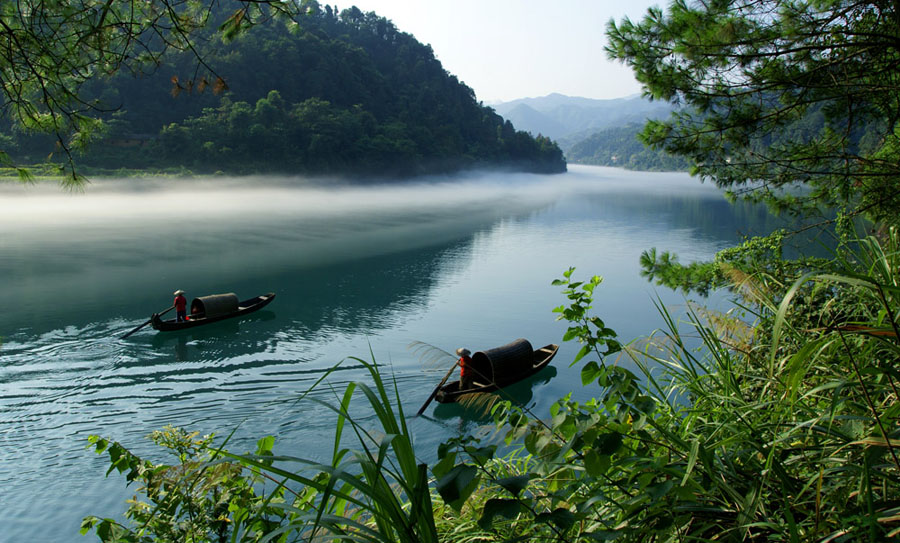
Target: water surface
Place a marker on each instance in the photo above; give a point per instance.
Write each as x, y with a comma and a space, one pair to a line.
358, 271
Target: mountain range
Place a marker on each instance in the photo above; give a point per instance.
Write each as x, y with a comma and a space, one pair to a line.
569, 119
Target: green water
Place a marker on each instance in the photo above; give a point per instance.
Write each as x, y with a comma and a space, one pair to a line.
451, 262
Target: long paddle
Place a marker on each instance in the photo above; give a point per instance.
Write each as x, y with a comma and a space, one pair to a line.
146, 323
435, 391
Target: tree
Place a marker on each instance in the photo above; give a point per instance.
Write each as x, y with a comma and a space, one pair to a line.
50, 48
791, 102
753, 73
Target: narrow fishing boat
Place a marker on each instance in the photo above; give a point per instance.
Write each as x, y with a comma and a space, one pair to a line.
499, 367
214, 308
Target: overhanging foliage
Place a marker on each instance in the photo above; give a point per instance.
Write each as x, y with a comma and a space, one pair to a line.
778, 93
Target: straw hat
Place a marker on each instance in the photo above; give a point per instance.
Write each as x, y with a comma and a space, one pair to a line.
178, 292
463, 351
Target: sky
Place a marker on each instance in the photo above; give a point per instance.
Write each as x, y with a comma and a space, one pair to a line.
509, 49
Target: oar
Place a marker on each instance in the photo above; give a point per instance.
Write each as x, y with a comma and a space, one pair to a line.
435, 391
148, 322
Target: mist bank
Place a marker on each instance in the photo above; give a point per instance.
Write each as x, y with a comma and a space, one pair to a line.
124, 245
149, 232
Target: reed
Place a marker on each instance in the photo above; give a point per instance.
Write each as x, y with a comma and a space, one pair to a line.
376, 492
784, 429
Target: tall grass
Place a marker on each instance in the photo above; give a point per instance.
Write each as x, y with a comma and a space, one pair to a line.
375, 492
784, 429
378, 492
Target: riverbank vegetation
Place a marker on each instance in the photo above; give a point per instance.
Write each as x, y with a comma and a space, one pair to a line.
783, 429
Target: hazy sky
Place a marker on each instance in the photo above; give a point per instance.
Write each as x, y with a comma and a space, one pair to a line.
508, 49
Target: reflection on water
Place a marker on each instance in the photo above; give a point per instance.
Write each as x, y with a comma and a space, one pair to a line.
66, 254
358, 271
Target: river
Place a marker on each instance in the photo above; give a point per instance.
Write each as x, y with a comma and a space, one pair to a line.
358, 271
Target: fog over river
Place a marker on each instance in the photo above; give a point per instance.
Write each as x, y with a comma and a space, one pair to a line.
459, 261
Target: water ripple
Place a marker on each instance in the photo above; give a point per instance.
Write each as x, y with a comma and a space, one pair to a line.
355, 270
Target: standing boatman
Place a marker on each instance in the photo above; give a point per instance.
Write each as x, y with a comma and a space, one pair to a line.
180, 304
465, 368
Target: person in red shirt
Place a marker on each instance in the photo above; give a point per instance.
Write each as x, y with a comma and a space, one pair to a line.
180, 304
465, 368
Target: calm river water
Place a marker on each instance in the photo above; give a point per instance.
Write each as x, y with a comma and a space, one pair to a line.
358, 271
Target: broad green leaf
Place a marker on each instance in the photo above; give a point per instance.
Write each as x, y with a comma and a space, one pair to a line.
444, 465
264, 445
498, 507
531, 440
481, 454
515, 484
596, 464
645, 404
581, 354
457, 485
657, 491
562, 518
608, 443
590, 372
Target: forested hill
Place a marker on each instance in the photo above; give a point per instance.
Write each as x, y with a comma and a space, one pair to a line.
325, 93
619, 146
622, 146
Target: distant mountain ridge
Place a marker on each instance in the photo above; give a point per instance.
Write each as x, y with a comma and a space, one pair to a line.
591, 131
569, 119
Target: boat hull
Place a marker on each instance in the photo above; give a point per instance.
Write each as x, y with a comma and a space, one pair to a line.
451, 392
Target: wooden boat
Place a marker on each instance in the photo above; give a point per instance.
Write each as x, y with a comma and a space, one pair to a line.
500, 367
210, 309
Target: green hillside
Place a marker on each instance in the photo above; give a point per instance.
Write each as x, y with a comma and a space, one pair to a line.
622, 146
619, 146
324, 93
